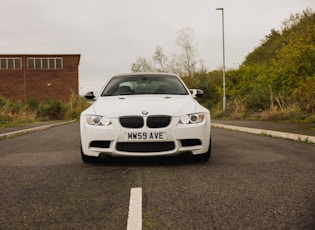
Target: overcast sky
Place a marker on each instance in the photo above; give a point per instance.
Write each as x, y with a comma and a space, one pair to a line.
111, 34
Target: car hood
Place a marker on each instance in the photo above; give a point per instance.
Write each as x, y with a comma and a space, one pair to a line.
174, 105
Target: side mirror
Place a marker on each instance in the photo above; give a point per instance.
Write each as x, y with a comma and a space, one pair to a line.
196, 92
89, 95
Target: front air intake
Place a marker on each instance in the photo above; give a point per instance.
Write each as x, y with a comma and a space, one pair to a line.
145, 147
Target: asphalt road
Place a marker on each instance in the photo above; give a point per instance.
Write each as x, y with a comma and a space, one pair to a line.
250, 182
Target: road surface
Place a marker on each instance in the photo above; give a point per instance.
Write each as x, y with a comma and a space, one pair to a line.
250, 182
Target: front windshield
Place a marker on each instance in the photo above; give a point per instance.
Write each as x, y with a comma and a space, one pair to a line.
134, 85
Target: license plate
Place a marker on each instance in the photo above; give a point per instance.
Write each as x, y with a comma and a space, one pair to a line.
147, 136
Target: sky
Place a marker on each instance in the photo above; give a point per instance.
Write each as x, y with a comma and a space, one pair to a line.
111, 34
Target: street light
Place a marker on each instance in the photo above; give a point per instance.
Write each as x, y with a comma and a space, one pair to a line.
224, 96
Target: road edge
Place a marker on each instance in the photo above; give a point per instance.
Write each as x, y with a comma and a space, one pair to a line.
31, 130
264, 132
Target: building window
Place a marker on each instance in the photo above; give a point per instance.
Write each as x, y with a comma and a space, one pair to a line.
45, 63
10, 63
18, 63
31, 63
59, 63
38, 63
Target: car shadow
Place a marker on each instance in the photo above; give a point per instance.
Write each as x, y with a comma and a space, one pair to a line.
184, 159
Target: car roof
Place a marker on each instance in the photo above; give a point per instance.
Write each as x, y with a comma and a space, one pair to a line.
147, 74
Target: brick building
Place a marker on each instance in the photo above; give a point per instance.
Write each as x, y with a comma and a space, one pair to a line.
39, 76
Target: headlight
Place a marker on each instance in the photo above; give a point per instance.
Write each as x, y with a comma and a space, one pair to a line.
97, 120
192, 118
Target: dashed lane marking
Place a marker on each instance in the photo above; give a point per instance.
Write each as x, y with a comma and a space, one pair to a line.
135, 210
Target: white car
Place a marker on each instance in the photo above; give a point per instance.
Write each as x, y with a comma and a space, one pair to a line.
144, 115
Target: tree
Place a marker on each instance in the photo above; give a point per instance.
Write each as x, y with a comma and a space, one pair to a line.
174, 66
183, 64
160, 59
142, 65
281, 68
266, 51
294, 62
186, 58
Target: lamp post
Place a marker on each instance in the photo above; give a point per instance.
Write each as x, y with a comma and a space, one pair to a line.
224, 95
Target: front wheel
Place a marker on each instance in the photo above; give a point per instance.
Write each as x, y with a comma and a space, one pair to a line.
88, 159
205, 156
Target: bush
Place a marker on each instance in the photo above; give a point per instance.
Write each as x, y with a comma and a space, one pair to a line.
2, 101
292, 113
32, 103
75, 106
50, 109
14, 112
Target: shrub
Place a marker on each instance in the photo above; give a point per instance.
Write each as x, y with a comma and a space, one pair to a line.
32, 103
75, 106
2, 101
14, 112
50, 109
292, 113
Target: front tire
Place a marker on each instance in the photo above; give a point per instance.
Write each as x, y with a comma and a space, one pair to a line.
205, 156
88, 159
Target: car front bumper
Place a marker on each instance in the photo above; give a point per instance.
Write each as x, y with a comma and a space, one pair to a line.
117, 141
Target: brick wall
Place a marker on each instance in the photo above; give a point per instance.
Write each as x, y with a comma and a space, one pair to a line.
23, 83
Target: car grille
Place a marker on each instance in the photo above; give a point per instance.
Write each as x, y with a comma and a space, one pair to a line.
158, 121
145, 146
135, 122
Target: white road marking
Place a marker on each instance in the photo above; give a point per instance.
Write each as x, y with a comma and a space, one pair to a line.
292, 136
135, 210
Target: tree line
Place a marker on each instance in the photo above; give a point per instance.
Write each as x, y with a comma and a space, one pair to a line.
183, 63
276, 81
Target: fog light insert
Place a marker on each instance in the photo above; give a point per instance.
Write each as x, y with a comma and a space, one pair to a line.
190, 142
100, 144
